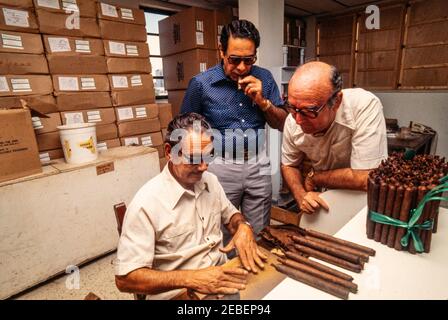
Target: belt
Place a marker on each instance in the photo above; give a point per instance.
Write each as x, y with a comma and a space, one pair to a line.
245, 155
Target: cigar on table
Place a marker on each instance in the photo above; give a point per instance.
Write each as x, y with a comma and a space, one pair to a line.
362, 255
329, 258
372, 205
404, 214
399, 193
352, 287
391, 191
327, 249
381, 208
430, 213
421, 191
313, 281
350, 244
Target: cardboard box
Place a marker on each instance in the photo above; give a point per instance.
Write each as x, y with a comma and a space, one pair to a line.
20, 42
86, 8
46, 157
17, 3
221, 18
121, 14
132, 128
165, 114
124, 49
111, 30
21, 85
13, 63
73, 46
178, 69
76, 65
162, 162
65, 25
189, 29
18, 148
18, 19
106, 132
73, 83
48, 141
43, 104
107, 144
126, 82
176, 97
98, 116
133, 96
160, 150
83, 100
128, 65
44, 125
164, 132
147, 140
139, 112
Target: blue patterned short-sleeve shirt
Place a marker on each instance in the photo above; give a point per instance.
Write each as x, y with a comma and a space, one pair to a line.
217, 97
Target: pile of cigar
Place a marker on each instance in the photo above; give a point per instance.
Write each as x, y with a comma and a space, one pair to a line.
297, 264
396, 187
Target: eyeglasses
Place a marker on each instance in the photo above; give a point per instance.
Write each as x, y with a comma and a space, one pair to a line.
195, 159
309, 112
236, 60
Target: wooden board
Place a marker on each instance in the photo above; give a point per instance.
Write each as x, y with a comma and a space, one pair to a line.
375, 79
389, 18
332, 27
377, 60
379, 40
334, 46
427, 33
425, 77
342, 62
428, 10
425, 56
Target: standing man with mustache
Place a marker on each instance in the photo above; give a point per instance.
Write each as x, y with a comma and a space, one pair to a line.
238, 98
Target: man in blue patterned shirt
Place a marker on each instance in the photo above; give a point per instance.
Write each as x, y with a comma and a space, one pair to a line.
237, 99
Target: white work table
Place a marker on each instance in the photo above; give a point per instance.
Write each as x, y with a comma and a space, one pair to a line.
390, 274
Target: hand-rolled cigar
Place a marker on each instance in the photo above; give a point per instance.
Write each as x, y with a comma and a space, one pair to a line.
404, 214
353, 287
317, 265
381, 208
362, 255
239, 85
421, 190
313, 281
395, 214
350, 244
329, 258
327, 249
433, 209
372, 205
388, 212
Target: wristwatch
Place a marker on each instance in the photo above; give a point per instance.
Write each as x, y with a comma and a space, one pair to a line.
311, 173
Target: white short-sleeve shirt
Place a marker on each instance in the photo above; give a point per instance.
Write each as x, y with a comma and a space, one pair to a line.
167, 227
357, 138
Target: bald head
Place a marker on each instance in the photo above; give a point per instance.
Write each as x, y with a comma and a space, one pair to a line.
316, 79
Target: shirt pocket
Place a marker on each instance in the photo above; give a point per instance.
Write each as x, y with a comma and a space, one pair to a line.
177, 237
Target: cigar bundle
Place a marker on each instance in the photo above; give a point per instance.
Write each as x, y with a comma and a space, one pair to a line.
300, 244
397, 193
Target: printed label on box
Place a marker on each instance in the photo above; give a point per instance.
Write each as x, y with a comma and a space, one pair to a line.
125, 113
37, 124
82, 46
126, 14
88, 84
74, 117
131, 141
136, 81
120, 81
199, 38
117, 48
44, 157
68, 83
101, 146
109, 10
59, 44
93, 116
17, 18
54, 4
11, 41
132, 50
20, 85
202, 66
141, 112
200, 25
70, 5
147, 141
4, 85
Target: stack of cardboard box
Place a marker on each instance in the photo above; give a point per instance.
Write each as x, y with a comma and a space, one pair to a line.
165, 116
189, 45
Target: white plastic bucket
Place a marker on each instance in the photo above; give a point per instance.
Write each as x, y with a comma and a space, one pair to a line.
78, 142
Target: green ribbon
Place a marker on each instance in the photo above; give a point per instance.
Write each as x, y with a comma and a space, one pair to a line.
414, 215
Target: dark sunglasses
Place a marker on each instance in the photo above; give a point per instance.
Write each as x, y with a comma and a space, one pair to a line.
309, 112
236, 60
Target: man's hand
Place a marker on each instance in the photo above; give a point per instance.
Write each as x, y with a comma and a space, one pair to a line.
311, 201
218, 280
247, 248
253, 88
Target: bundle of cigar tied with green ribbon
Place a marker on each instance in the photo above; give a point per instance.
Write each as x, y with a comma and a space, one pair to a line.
403, 199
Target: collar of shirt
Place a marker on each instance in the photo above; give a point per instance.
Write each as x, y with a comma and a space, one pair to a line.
175, 191
219, 75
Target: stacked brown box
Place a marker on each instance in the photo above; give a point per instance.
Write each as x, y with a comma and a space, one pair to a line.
165, 116
176, 97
